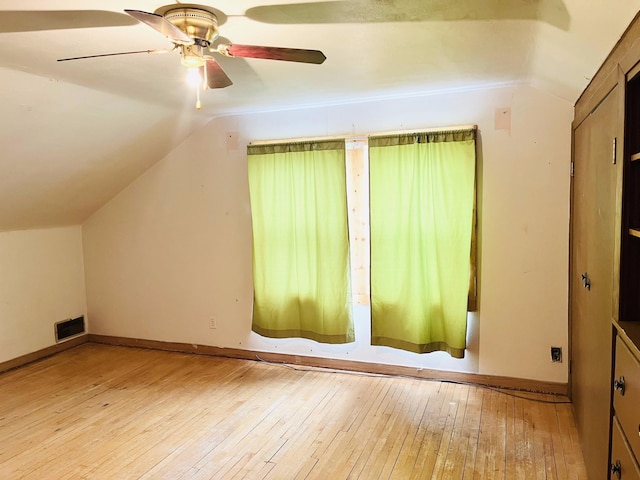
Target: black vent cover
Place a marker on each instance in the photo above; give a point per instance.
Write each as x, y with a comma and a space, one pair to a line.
69, 328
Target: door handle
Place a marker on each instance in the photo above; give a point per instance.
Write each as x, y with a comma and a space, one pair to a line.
616, 469
586, 282
618, 384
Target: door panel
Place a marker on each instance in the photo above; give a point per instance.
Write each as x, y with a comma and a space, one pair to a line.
592, 253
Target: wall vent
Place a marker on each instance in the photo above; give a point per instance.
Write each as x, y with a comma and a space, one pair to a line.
69, 328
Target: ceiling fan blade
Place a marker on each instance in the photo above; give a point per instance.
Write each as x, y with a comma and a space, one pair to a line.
333, 11
216, 78
160, 24
38, 20
273, 53
112, 54
237, 67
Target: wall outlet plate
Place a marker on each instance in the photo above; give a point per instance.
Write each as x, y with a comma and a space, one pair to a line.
213, 323
556, 354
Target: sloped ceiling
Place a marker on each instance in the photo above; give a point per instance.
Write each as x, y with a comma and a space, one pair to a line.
73, 134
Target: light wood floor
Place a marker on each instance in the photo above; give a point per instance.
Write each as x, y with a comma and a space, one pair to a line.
103, 412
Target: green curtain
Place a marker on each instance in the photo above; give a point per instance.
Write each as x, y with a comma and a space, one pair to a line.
300, 241
422, 195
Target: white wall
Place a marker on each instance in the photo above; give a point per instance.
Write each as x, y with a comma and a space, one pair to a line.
174, 248
41, 283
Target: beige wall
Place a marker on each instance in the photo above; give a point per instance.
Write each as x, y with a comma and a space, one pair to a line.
174, 249
41, 283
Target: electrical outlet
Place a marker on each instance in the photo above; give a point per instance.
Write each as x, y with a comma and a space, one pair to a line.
556, 354
213, 323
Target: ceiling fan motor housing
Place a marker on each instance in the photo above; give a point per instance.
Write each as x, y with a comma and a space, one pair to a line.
195, 22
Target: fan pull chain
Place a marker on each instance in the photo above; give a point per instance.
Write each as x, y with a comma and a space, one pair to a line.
198, 103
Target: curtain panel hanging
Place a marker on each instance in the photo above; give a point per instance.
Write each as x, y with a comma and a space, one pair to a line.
300, 241
422, 194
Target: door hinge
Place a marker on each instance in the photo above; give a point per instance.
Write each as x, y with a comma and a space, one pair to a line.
615, 144
571, 169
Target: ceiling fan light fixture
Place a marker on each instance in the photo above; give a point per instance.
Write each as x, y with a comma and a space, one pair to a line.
194, 78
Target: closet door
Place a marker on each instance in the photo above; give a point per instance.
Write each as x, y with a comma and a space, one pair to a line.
593, 213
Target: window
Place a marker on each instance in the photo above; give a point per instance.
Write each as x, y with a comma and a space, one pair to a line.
422, 194
411, 224
300, 241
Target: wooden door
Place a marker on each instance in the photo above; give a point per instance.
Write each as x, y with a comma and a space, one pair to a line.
592, 253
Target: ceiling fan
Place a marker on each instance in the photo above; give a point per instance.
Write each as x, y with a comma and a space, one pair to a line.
193, 29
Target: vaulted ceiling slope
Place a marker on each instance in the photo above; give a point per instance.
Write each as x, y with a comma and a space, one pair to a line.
73, 134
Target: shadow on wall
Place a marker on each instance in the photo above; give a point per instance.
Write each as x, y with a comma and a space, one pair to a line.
553, 12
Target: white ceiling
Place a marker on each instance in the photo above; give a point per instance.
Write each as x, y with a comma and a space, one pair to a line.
73, 134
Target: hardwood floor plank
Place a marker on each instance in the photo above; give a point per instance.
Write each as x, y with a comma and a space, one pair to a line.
404, 432
572, 454
104, 412
406, 463
391, 437
472, 426
358, 427
436, 420
524, 451
375, 422
454, 462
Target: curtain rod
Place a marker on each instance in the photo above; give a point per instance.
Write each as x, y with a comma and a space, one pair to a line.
366, 135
